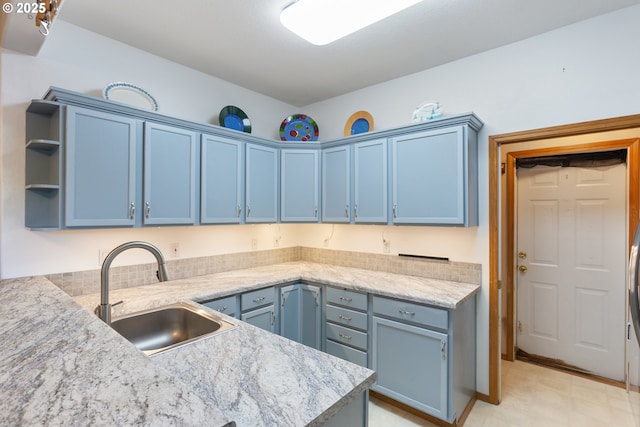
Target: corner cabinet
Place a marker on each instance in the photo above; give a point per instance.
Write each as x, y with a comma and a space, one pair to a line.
435, 178
299, 185
169, 175
261, 183
301, 314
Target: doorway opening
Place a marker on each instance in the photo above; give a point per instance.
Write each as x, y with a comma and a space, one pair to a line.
601, 135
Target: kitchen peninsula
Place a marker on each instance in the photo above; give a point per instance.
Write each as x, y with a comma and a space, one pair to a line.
67, 365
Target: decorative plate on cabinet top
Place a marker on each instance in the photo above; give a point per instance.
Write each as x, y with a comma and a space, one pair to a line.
299, 127
128, 93
358, 122
234, 118
428, 110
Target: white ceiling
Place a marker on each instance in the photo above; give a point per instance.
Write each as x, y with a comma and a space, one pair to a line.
243, 42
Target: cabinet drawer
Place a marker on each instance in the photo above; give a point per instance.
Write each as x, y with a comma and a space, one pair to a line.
347, 336
344, 316
414, 313
346, 298
347, 353
225, 305
255, 299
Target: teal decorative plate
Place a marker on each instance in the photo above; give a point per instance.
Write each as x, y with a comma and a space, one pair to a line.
299, 127
234, 118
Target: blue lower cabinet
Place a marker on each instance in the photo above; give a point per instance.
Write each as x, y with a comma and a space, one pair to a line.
301, 314
425, 356
227, 305
355, 414
258, 309
411, 363
264, 318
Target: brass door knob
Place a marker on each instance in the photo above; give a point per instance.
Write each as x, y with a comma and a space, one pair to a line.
522, 268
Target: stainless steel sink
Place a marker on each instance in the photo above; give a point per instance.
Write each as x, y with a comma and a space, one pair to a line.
163, 328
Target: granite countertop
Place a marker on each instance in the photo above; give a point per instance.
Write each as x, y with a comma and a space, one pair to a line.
441, 293
72, 368
60, 365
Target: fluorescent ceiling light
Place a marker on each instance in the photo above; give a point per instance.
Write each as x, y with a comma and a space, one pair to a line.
323, 21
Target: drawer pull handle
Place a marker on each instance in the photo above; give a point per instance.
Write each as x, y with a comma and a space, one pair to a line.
347, 318
262, 298
222, 309
347, 299
407, 313
346, 337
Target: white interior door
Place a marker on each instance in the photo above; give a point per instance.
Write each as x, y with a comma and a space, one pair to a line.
571, 266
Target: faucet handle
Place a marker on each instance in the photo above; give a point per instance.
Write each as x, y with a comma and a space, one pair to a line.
117, 303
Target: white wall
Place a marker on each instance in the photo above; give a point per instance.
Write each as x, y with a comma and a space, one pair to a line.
582, 72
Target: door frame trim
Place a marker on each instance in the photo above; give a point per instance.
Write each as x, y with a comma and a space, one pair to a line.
496, 203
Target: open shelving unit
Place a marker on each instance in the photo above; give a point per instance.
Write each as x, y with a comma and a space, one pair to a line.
43, 165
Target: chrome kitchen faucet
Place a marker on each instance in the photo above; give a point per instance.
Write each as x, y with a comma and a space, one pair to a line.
104, 309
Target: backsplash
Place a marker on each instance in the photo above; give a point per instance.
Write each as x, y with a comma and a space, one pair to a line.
88, 282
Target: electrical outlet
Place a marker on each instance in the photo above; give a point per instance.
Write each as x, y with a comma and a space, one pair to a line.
326, 243
386, 245
174, 248
254, 244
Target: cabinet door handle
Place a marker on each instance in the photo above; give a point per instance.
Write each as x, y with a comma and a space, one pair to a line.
248, 211
148, 209
355, 211
407, 313
347, 299
132, 210
346, 337
347, 318
346, 211
315, 212
395, 211
443, 348
259, 299
239, 211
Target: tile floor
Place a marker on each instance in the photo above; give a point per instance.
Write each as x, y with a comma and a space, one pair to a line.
534, 396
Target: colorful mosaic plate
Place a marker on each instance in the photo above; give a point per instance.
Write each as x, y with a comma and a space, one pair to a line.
299, 127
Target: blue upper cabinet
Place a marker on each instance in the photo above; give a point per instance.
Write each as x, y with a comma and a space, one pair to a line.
336, 184
435, 178
261, 183
299, 182
221, 180
170, 170
370, 181
100, 174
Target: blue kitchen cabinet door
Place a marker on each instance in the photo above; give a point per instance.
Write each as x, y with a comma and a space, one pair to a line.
100, 173
221, 180
336, 184
301, 314
299, 185
170, 171
411, 365
264, 318
261, 184
370, 182
435, 178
